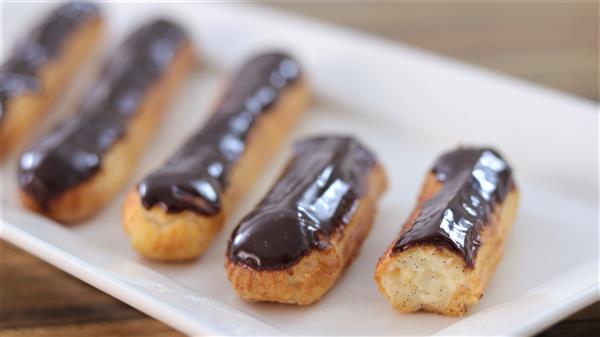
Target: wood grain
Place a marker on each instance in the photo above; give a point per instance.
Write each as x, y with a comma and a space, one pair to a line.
551, 43
37, 299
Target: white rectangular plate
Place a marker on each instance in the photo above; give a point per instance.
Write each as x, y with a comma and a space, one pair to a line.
408, 106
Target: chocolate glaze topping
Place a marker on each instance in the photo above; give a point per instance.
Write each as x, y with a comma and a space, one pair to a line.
474, 181
45, 43
316, 196
197, 175
72, 152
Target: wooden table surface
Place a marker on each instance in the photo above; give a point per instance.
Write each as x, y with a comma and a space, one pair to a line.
554, 44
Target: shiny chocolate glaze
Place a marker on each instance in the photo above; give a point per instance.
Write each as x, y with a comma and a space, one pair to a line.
20, 73
72, 152
475, 181
317, 195
197, 175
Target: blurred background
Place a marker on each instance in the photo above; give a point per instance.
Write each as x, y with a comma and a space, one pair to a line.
554, 44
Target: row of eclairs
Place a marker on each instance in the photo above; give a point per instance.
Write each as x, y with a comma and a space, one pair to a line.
297, 242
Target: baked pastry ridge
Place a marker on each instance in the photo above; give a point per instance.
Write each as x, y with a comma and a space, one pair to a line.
176, 211
36, 73
79, 165
298, 240
448, 249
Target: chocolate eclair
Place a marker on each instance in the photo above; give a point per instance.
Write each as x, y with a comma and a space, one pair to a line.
42, 65
175, 212
448, 249
308, 228
84, 161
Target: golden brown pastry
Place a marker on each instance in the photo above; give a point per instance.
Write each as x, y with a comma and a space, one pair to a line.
297, 242
86, 159
176, 211
38, 71
448, 249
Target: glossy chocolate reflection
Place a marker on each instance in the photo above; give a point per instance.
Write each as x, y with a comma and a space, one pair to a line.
20, 73
197, 175
72, 152
474, 181
316, 195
